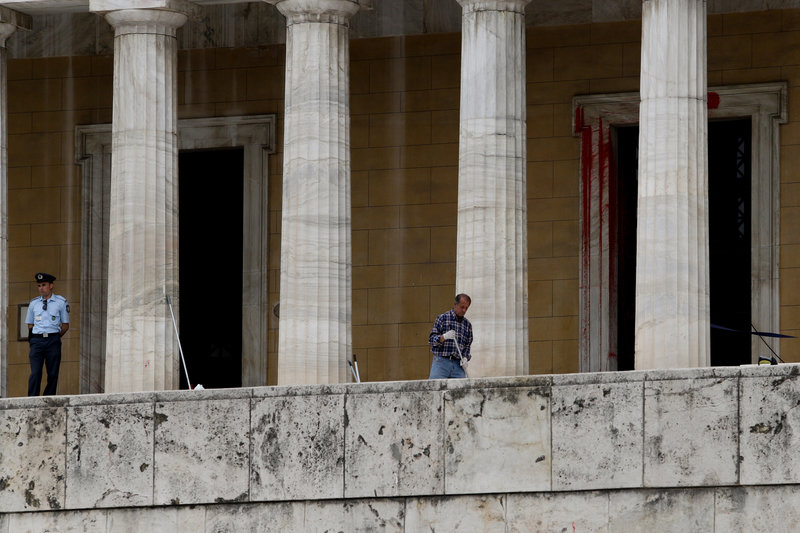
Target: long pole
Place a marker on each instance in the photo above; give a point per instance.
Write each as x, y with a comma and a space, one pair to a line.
177, 336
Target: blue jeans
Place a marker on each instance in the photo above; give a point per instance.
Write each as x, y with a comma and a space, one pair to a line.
444, 367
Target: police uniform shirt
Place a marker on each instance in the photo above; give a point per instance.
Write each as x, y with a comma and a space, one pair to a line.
48, 320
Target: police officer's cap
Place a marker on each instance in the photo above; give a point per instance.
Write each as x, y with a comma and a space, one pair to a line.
41, 277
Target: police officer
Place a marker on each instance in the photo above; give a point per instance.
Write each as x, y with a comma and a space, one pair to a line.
48, 321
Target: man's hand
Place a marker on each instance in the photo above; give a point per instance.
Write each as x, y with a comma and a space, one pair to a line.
450, 335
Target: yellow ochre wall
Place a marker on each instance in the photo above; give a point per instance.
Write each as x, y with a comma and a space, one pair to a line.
404, 138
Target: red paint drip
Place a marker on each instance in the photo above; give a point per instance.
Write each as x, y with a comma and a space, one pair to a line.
713, 100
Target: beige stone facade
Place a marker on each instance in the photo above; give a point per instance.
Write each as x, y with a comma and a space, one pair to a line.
404, 103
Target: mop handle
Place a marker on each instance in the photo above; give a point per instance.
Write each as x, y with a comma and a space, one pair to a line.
355, 364
177, 336
458, 348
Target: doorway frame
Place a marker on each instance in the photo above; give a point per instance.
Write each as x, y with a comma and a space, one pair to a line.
256, 135
593, 118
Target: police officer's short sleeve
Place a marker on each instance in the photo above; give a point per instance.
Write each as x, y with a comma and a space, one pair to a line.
65, 312
29, 316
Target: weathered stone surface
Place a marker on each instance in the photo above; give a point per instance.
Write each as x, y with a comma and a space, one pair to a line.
597, 435
359, 515
457, 513
397, 438
757, 509
110, 455
394, 444
769, 429
298, 448
58, 522
201, 451
483, 454
158, 520
264, 518
664, 511
32, 448
690, 432
605, 11
584, 511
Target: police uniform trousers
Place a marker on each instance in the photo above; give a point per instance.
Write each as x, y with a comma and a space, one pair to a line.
44, 351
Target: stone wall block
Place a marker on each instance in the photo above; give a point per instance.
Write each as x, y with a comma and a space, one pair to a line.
157, 520
355, 515
690, 432
32, 449
666, 511
457, 513
282, 517
769, 430
482, 454
757, 509
110, 455
597, 436
62, 522
201, 452
394, 444
578, 511
297, 448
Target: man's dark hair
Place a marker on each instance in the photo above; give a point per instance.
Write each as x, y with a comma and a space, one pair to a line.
462, 295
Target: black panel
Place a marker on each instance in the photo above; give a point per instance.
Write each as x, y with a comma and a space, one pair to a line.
627, 159
729, 240
211, 266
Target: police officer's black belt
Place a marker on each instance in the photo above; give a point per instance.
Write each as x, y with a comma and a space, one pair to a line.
44, 335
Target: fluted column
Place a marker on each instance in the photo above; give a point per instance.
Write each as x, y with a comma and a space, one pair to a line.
141, 348
672, 290
492, 249
10, 21
315, 335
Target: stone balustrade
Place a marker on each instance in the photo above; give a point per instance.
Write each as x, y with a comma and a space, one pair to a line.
680, 450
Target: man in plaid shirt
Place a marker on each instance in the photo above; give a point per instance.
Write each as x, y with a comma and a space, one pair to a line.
449, 360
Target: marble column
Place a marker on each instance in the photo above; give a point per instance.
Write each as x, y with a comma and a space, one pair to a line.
10, 21
141, 347
315, 331
492, 248
672, 289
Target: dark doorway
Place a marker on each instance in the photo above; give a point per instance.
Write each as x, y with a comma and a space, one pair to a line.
210, 195
623, 224
729, 211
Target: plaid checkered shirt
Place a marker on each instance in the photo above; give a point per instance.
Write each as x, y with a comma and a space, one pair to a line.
444, 323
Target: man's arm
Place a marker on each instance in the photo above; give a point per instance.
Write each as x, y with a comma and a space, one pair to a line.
435, 338
64, 328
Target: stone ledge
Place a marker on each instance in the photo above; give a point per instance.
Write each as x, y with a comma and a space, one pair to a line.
754, 509
550, 434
